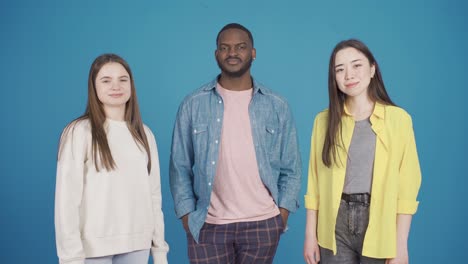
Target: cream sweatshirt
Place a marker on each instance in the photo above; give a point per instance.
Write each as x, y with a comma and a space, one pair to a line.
107, 212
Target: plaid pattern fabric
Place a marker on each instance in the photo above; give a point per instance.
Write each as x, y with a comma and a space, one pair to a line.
236, 243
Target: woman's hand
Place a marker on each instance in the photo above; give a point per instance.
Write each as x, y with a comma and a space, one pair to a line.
311, 250
403, 227
401, 258
311, 247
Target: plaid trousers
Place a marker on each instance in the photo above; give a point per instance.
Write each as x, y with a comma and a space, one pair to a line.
236, 243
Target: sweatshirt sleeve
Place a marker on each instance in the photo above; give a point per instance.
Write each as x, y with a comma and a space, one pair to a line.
68, 194
159, 246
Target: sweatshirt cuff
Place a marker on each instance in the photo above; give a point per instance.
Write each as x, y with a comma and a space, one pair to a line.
75, 261
311, 202
407, 207
159, 257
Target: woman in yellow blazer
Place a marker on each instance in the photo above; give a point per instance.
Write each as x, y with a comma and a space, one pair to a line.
364, 173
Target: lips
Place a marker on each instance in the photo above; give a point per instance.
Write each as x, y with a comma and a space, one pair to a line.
233, 61
117, 95
351, 85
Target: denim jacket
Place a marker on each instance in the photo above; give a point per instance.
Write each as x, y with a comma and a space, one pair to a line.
195, 147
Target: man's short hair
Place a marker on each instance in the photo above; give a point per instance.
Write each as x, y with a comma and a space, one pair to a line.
235, 26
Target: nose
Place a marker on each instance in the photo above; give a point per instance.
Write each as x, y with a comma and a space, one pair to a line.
115, 85
232, 51
348, 74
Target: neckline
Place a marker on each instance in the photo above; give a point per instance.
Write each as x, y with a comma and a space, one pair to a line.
223, 90
116, 122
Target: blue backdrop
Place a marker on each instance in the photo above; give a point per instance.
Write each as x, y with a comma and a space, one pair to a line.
47, 47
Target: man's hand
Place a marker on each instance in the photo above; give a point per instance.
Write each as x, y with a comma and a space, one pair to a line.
185, 223
284, 215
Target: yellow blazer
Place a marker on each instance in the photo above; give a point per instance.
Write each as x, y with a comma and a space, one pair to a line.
395, 184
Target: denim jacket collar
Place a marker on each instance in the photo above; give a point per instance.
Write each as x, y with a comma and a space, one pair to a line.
257, 87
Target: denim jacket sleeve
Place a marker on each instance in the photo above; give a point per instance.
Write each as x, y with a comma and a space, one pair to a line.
289, 181
180, 164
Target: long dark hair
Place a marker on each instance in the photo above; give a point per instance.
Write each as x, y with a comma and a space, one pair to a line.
376, 92
95, 114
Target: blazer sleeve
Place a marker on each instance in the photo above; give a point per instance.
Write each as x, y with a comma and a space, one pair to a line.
410, 172
312, 196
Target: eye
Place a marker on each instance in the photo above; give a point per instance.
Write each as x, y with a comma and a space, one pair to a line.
222, 48
357, 65
241, 47
338, 70
105, 81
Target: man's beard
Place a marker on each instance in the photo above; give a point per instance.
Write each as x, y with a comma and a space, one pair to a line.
238, 73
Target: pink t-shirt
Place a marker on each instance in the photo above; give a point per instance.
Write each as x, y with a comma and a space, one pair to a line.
239, 194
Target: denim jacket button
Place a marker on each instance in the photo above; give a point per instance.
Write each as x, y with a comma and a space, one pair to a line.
218, 120
213, 162
216, 141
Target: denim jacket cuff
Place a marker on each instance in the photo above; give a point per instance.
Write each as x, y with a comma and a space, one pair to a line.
184, 207
289, 204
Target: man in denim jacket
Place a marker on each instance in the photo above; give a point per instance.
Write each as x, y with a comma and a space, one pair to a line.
235, 167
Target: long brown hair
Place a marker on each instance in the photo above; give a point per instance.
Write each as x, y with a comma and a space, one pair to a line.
376, 92
95, 114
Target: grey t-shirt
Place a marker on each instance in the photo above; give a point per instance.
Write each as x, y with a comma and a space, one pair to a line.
360, 165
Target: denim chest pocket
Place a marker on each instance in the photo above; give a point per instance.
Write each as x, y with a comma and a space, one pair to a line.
199, 138
199, 129
271, 137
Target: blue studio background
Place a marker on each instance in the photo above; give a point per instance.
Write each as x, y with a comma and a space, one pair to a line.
47, 47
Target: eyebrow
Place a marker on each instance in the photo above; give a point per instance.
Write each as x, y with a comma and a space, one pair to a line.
237, 44
108, 77
351, 62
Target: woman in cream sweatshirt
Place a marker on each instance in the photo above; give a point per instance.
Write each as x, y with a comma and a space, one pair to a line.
108, 193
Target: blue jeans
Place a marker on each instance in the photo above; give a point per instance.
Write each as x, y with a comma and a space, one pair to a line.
135, 257
351, 226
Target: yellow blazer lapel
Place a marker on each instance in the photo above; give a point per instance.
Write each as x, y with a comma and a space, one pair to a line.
378, 125
339, 170
381, 147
